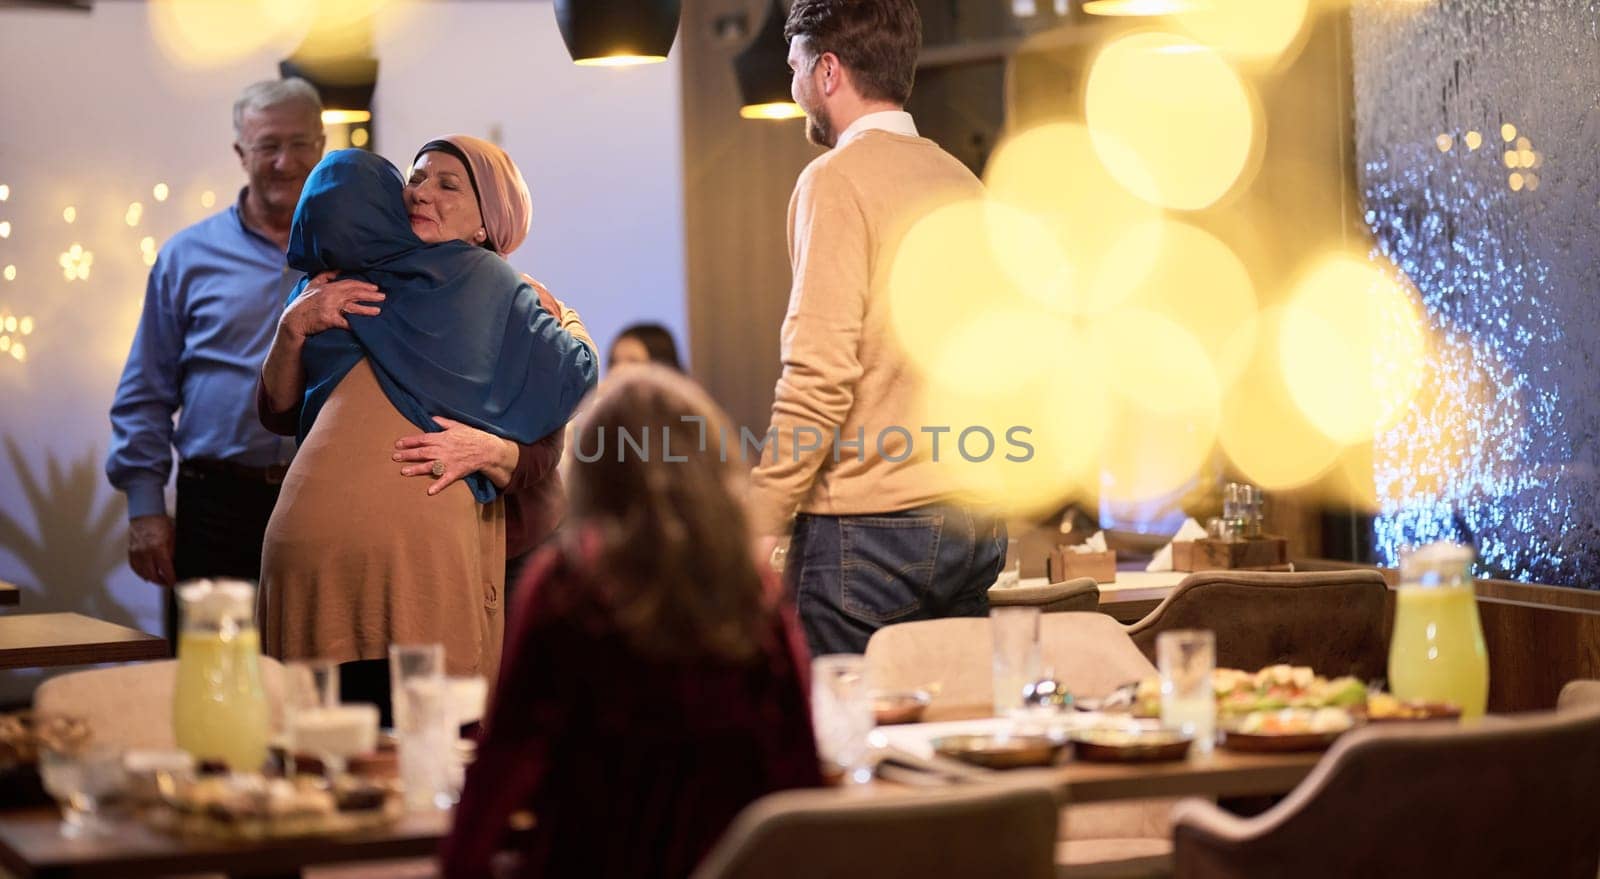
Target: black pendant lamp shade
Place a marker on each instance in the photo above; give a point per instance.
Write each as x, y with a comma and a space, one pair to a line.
762, 70
618, 32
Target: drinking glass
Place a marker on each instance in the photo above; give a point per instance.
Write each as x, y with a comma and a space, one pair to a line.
81, 780
1016, 655
841, 711
1186, 658
319, 724
423, 723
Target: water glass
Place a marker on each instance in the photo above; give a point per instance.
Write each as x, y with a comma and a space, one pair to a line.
841, 711
1186, 658
423, 723
82, 780
1016, 655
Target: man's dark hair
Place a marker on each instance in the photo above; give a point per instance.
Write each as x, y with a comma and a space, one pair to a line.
877, 40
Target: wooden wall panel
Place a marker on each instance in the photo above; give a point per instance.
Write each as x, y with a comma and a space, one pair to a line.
737, 174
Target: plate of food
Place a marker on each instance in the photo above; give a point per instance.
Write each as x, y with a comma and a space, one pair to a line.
1286, 729
1385, 708
1272, 688
246, 806
899, 706
22, 736
1130, 744
1001, 751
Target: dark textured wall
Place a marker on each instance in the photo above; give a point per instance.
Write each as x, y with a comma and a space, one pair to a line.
1501, 448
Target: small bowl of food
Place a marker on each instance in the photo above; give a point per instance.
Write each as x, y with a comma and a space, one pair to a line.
1001, 751
1130, 744
899, 706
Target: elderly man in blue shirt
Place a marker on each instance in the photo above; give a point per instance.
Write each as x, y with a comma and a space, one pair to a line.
211, 307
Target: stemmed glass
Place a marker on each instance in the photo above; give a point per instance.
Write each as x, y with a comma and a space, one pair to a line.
81, 780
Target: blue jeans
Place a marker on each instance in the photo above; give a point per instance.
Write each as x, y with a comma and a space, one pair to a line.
852, 575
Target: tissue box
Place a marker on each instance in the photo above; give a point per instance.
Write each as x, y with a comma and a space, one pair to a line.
1066, 565
1208, 554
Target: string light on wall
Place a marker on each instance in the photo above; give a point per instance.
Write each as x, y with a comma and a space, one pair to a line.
208, 199
134, 214
69, 214
5, 192
160, 191
5, 228
76, 262
12, 329
10, 273
147, 250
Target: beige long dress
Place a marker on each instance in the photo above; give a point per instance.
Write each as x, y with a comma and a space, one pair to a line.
358, 557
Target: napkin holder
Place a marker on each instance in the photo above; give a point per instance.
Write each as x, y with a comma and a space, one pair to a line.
1068, 564
1211, 554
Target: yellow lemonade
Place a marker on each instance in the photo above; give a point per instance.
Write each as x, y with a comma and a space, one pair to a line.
1437, 652
219, 710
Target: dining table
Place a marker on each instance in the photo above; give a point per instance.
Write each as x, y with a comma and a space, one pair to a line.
33, 846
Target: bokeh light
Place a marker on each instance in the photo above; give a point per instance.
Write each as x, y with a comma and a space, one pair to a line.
942, 276
205, 33
1171, 120
1352, 346
1193, 279
1166, 404
1051, 172
1017, 398
1257, 31
160, 191
5, 192
9, 273
1263, 433
208, 199
134, 213
69, 214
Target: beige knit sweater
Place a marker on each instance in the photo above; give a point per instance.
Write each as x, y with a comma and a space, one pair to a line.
842, 369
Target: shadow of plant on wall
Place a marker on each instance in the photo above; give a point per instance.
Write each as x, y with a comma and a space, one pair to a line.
79, 540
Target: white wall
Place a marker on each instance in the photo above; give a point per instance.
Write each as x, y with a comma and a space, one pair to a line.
93, 113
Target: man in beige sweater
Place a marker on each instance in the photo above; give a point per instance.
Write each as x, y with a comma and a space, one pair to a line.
875, 538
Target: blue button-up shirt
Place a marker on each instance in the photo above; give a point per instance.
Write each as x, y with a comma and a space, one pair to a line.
211, 310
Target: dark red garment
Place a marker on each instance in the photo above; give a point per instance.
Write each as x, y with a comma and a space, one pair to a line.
535, 499
632, 767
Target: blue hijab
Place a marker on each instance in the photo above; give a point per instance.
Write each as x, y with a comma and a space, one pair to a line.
459, 334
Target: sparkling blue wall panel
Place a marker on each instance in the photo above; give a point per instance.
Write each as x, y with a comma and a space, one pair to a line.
1500, 232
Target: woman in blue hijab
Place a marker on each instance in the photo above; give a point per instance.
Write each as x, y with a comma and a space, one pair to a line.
357, 556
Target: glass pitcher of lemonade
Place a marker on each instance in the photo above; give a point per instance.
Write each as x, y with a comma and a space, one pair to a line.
1437, 652
219, 709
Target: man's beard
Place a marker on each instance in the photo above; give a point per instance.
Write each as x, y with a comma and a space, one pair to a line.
819, 130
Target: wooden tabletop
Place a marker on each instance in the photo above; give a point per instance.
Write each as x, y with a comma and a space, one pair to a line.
10, 594
42, 639
32, 847
1221, 774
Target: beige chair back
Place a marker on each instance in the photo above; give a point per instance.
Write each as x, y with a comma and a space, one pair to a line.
1332, 621
1088, 652
976, 831
1579, 694
1506, 797
130, 706
1078, 595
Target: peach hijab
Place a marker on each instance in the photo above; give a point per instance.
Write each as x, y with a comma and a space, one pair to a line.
503, 197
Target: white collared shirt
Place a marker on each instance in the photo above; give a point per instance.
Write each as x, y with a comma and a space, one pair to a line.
893, 121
